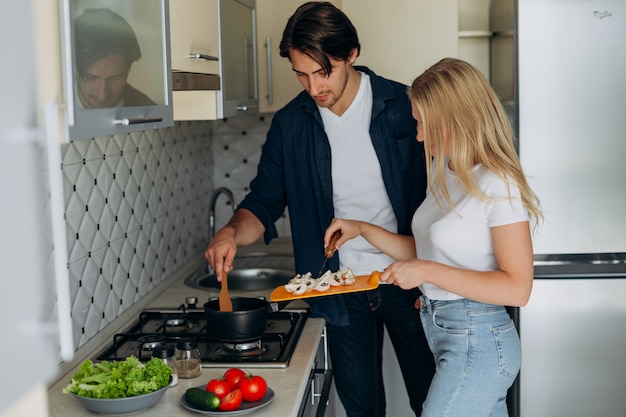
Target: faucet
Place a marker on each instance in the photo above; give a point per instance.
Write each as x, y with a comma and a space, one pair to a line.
231, 198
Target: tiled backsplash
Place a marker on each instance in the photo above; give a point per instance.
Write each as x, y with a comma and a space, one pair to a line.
237, 146
137, 208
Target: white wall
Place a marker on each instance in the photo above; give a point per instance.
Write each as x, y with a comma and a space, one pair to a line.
401, 38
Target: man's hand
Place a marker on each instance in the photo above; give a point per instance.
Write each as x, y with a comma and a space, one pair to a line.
244, 228
221, 251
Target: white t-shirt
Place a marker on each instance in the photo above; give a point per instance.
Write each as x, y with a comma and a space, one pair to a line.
461, 237
358, 188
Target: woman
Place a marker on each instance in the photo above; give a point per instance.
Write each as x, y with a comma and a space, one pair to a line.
471, 250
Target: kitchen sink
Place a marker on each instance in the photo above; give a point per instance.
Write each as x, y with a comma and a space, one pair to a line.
246, 279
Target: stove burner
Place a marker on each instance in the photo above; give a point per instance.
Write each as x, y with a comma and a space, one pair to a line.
243, 349
149, 342
174, 319
165, 327
238, 347
175, 322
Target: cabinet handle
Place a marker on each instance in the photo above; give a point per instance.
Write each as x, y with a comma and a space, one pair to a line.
503, 34
126, 122
321, 398
475, 34
246, 69
246, 108
270, 87
203, 56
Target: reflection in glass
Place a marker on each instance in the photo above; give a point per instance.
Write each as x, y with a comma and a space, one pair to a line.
116, 64
105, 49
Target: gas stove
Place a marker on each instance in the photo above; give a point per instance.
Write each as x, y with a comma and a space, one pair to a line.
159, 327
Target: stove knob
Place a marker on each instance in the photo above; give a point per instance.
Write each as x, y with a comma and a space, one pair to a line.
191, 302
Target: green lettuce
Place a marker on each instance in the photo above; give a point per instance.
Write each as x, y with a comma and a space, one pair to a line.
119, 379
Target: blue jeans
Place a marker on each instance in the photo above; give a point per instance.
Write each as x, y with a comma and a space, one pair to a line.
477, 354
356, 350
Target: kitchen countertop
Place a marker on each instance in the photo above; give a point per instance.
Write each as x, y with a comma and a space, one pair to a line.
288, 384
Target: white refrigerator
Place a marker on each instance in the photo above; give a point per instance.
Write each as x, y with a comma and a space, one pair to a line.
571, 98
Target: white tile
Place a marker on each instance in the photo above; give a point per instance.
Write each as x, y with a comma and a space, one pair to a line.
139, 203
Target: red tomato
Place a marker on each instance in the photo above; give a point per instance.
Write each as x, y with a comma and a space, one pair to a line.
253, 387
219, 387
233, 376
231, 401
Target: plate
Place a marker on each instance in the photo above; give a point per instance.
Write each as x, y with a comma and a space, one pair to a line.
245, 407
121, 405
361, 283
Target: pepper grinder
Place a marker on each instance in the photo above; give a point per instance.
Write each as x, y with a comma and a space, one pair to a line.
188, 358
166, 354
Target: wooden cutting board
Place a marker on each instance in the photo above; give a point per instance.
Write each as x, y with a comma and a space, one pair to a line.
361, 283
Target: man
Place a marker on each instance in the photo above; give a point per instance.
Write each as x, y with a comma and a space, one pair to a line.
105, 49
344, 147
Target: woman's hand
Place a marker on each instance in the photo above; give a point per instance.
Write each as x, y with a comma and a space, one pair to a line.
396, 246
405, 274
349, 230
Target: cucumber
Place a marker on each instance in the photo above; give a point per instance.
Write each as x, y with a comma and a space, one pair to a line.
202, 399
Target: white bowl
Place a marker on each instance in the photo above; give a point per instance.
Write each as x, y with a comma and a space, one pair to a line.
121, 405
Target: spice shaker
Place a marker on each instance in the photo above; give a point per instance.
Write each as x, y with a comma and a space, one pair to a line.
188, 358
167, 355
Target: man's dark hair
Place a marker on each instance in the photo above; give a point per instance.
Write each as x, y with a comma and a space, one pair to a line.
321, 31
101, 32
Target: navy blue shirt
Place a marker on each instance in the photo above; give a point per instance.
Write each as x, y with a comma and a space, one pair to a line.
295, 172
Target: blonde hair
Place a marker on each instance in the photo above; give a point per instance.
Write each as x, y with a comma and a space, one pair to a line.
454, 98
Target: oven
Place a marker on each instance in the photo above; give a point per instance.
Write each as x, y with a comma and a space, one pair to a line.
159, 327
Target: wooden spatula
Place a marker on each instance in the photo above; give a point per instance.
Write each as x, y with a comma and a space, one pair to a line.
226, 304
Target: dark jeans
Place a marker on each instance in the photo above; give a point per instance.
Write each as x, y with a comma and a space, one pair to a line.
356, 350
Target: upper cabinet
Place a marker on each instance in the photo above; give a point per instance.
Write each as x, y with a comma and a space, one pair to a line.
116, 60
194, 36
195, 50
214, 59
239, 92
277, 82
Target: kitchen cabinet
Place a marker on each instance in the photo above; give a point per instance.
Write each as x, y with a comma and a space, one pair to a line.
214, 59
195, 49
277, 82
239, 66
317, 393
194, 36
97, 102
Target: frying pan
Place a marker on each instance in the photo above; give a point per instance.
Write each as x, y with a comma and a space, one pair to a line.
247, 321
